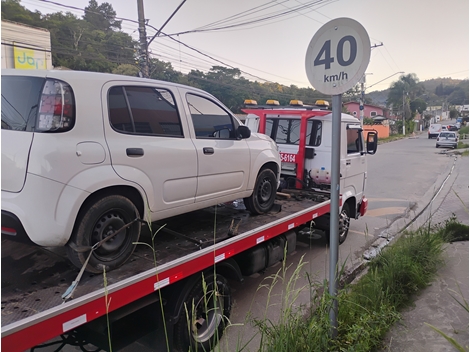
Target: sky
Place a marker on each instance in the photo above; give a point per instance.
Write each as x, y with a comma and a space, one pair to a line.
427, 37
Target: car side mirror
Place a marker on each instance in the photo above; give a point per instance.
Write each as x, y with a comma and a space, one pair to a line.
372, 142
243, 132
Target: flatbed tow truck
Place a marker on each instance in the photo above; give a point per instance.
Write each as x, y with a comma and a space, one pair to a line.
222, 242
174, 291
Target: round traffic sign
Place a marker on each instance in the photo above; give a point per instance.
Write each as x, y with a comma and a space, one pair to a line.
337, 56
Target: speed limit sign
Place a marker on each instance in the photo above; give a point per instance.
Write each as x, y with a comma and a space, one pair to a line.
337, 56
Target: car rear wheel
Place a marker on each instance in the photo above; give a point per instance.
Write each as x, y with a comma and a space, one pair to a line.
99, 220
264, 193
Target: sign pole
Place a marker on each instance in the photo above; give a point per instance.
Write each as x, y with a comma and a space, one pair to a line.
336, 59
334, 210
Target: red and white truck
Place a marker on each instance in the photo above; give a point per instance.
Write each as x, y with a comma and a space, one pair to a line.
175, 290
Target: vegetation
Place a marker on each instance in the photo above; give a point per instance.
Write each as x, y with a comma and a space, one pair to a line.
95, 42
368, 308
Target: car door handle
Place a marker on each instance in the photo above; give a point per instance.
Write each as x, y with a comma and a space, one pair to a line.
134, 151
348, 162
208, 150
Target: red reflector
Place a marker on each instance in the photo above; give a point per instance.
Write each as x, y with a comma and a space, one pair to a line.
363, 207
8, 231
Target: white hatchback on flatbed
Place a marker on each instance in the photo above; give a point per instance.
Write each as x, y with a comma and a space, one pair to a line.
87, 154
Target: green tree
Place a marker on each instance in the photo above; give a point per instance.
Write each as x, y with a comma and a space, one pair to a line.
402, 92
163, 71
127, 70
12, 10
418, 105
101, 17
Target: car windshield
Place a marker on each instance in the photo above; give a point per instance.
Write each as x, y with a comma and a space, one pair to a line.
447, 134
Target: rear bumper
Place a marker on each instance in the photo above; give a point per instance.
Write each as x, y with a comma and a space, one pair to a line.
363, 206
13, 229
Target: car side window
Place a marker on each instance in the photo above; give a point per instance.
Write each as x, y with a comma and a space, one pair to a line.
354, 140
144, 111
209, 119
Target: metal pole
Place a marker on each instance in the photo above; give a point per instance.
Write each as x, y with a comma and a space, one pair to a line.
361, 101
144, 67
404, 130
334, 210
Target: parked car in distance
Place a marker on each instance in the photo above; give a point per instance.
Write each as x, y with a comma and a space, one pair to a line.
452, 128
458, 125
434, 130
87, 154
444, 128
447, 139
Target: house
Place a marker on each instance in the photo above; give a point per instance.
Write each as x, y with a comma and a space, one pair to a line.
370, 110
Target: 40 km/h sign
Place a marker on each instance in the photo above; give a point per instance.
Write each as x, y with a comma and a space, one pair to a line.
337, 56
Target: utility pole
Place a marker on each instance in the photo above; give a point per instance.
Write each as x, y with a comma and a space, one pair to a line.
404, 129
144, 55
361, 100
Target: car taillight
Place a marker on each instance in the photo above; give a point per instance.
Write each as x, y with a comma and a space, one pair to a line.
57, 107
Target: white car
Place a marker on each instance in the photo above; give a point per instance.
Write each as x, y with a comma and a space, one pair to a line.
86, 154
447, 139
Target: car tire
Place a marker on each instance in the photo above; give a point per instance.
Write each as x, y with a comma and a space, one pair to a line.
96, 222
264, 193
204, 315
344, 223
437, 146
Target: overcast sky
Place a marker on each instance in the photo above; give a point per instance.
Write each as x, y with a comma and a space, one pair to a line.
427, 37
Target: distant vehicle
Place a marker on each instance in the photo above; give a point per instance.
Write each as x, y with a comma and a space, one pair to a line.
452, 128
458, 125
444, 128
447, 139
434, 130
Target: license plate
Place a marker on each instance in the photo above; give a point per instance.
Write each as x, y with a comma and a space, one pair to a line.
288, 158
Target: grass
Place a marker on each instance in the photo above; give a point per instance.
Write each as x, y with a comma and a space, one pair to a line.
369, 307
462, 145
463, 130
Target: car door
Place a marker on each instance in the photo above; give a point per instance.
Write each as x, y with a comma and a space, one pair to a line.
355, 161
223, 159
149, 143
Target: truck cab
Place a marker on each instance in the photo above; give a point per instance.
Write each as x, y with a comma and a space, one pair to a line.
304, 138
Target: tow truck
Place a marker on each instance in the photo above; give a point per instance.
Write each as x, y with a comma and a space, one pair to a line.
174, 292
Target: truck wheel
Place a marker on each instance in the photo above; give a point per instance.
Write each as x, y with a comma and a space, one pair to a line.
98, 221
206, 310
344, 221
264, 193
343, 228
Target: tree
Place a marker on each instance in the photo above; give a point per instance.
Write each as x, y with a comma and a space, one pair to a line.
12, 10
102, 17
127, 70
402, 92
418, 105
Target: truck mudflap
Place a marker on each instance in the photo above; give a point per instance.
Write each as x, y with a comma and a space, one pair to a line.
363, 206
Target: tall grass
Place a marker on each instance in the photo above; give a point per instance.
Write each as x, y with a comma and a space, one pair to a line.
367, 308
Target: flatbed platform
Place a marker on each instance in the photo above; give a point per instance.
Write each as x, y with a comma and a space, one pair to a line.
34, 278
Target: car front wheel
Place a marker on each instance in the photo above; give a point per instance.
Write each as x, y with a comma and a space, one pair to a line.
264, 193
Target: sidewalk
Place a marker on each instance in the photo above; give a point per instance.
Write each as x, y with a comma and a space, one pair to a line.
435, 304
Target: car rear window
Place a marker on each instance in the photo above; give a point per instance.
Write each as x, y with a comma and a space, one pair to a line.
447, 134
20, 101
